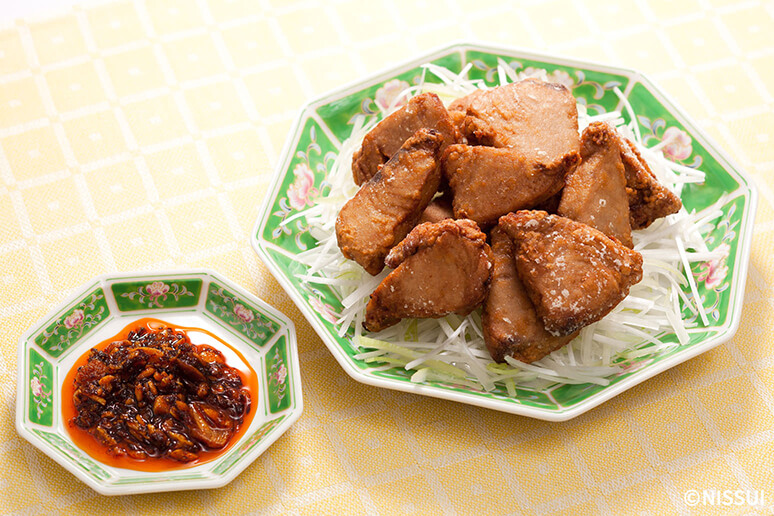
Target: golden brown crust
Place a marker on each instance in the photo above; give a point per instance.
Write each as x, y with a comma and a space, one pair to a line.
520, 115
388, 205
441, 268
509, 321
384, 140
489, 182
573, 273
595, 192
425, 235
648, 199
439, 209
551, 204
461, 104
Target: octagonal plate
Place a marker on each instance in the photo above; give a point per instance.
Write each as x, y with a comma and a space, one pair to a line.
101, 309
323, 124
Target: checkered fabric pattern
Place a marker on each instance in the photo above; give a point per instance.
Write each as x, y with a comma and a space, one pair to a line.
142, 135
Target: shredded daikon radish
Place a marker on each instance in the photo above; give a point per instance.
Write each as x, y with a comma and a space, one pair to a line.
633, 125
451, 350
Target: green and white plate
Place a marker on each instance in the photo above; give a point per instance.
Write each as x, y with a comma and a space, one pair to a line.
324, 123
100, 310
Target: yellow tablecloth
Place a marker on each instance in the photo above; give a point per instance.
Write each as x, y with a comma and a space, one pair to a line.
158, 123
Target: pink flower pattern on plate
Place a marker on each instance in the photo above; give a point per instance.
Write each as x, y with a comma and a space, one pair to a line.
679, 144
714, 271
634, 366
157, 289
280, 375
36, 386
562, 77
302, 191
74, 320
324, 309
387, 94
245, 314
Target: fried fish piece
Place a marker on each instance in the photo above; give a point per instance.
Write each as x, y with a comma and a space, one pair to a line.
574, 274
386, 207
489, 182
510, 323
461, 104
648, 199
595, 192
384, 140
536, 118
551, 204
458, 109
439, 208
440, 268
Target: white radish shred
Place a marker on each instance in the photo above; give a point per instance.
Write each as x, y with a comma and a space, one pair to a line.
633, 125
451, 350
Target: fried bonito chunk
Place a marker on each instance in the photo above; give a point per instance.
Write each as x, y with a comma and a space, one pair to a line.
536, 118
574, 274
648, 199
551, 204
386, 207
489, 182
509, 320
595, 193
440, 268
384, 140
439, 208
459, 107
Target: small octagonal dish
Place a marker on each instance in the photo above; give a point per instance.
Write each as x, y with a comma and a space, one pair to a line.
199, 299
281, 234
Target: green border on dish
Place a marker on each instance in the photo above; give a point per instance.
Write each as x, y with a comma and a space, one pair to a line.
155, 294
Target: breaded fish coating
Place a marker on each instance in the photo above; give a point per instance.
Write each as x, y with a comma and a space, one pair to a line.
461, 104
489, 182
536, 118
459, 107
384, 140
509, 320
648, 199
440, 268
595, 193
439, 208
551, 204
574, 274
386, 207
